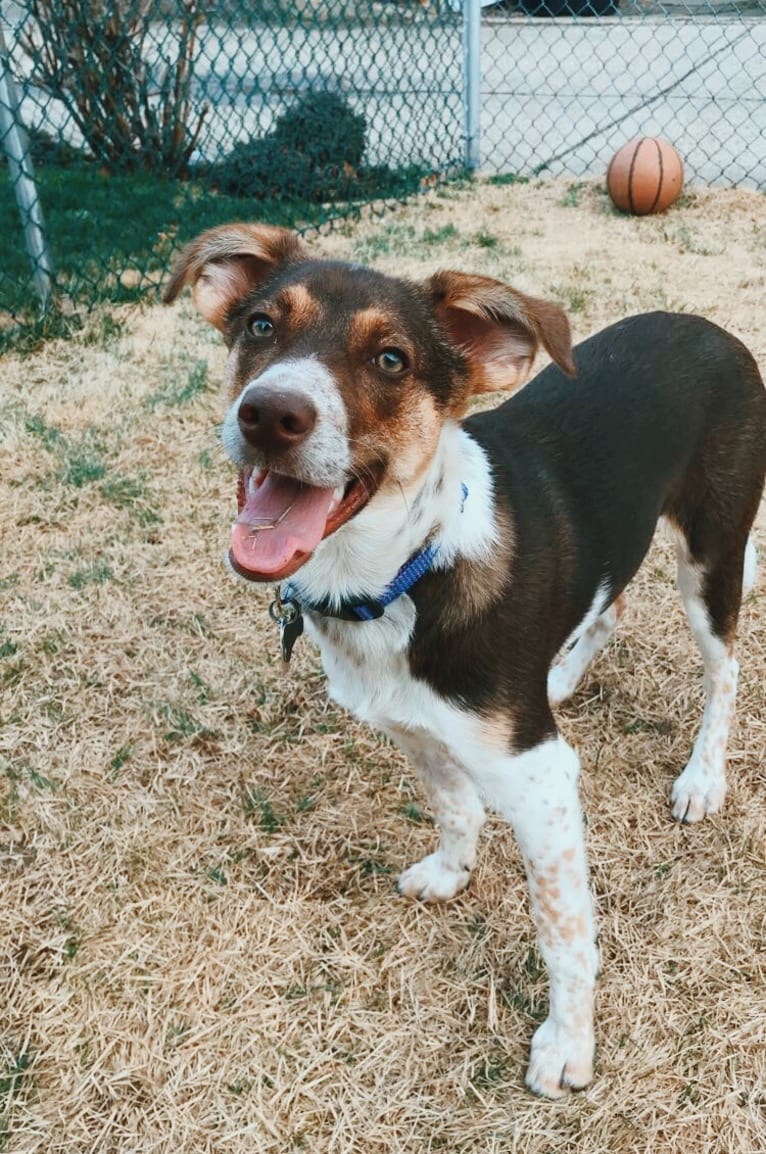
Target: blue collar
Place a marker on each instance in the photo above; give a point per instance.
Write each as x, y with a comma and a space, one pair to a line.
411, 571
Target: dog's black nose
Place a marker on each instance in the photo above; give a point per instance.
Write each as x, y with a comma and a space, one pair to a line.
274, 420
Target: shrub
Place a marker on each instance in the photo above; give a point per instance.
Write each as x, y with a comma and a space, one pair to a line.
323, 128
92, 56
314, 153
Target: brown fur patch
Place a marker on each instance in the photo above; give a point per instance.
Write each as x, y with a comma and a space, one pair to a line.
478, 584
299, 305
373, 328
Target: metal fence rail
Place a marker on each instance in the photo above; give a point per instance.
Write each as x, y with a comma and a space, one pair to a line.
148, 120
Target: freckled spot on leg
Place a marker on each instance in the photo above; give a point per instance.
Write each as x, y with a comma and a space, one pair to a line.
549, 911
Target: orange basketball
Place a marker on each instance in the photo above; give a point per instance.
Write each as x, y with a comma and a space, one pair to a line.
644, 176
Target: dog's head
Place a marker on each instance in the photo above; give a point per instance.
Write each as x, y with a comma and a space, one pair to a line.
340, 378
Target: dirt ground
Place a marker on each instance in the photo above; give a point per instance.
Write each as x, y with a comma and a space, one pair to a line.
201, 946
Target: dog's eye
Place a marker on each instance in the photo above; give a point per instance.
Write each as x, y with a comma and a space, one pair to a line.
260, 327
391, 361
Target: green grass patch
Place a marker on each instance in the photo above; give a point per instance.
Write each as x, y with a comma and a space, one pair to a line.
40, 781
83, 465
112, 236
81, 461
505, 178
397, 238
573, 297
50, 436
415, 814
392, 238
255, 804
121, 756
181, 392
491, 1072
440, 235
8, 648
486, 239
110, 233
573, 195
183, 725
10, 1084
96, 573
124, 491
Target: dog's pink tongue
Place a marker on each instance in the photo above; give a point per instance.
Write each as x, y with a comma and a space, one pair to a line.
297, 514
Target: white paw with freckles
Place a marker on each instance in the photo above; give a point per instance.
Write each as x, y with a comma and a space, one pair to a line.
560, 1060
433, 879
696, 793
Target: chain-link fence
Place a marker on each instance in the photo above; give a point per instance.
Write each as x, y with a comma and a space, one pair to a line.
148, 120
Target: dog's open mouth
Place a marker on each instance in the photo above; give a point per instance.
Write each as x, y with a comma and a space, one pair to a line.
282, 520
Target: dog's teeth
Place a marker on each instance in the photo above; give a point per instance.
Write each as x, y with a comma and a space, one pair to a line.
337, 497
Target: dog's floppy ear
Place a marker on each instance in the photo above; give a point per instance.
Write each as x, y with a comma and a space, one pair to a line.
225, 263
499, 329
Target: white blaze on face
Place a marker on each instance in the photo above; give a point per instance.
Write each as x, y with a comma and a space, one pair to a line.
288, 500
324, 458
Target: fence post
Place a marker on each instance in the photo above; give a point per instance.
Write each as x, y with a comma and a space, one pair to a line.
16, 148
472, 82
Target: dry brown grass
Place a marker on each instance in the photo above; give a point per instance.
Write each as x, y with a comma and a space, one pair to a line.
201, 945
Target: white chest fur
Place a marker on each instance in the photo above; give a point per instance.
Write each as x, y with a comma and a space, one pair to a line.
367, 662
368, 674
367, 666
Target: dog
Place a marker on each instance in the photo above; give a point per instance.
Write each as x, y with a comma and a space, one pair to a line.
459, 573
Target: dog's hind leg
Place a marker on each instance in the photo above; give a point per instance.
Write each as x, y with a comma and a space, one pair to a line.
567, 673
459, 815
711, 594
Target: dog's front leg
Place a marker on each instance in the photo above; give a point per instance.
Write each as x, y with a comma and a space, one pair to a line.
459, 815
537, 792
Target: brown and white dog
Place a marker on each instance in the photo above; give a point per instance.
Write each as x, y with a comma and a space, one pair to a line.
442, 564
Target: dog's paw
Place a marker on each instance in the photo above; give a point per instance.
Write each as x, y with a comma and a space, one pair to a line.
560, 1060
433, 880
696, 793
561, 684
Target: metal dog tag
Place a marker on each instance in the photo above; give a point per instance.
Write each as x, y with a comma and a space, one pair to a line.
290, 619
290, 629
